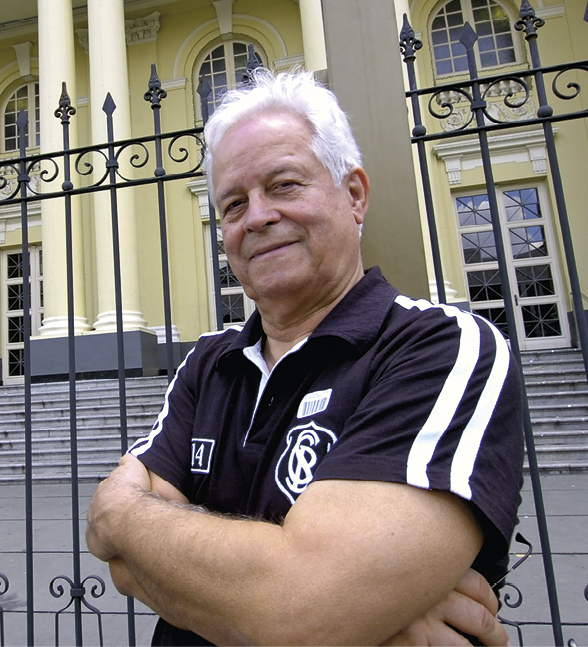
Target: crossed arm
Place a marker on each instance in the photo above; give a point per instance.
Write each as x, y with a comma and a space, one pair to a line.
354, 562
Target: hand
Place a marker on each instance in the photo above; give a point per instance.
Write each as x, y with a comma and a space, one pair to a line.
128, 481
471, 608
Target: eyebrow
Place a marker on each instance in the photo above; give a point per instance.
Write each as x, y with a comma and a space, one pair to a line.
273, 173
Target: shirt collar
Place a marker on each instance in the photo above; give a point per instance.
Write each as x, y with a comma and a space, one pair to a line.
356, 319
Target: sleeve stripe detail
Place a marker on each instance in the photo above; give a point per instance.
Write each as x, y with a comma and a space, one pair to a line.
450, 396
465, 455
143, 444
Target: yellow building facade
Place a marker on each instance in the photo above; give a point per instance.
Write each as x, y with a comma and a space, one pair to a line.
107, 46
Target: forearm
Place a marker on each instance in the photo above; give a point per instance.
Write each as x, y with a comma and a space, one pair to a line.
244, 581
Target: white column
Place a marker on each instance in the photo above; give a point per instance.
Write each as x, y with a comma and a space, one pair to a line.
313, 35
56, 65
108, 73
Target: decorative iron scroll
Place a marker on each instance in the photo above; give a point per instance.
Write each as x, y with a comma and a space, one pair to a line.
78, 593
182, 155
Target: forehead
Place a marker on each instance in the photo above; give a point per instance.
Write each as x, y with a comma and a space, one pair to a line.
262, 134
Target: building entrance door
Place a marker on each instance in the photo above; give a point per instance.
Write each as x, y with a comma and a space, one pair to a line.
533, 269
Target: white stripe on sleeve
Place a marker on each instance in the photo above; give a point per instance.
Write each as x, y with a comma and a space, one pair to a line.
450, 396
464, 458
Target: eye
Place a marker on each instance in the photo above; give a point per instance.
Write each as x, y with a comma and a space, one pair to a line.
231, 208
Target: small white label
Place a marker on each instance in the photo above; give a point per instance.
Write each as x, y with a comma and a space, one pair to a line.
313, 403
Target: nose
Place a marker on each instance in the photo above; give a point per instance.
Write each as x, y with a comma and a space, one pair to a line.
260, 214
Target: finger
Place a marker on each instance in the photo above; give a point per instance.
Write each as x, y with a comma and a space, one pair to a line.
473, 618
475, 586
417, 636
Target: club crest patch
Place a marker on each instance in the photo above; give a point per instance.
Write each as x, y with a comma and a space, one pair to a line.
306, 446
202, 455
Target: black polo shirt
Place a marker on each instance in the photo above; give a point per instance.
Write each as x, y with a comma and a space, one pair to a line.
386, 388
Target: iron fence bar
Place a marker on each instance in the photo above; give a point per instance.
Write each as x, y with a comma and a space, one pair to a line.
468, 39
408, 46
154, 95
23, 180
64, 112
4, 586
109, 107
204, 89
529, 23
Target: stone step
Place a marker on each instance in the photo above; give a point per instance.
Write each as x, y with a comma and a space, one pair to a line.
556, 386
14, 419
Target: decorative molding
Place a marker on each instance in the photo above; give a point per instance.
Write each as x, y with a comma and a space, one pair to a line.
83, 40
288, 62
550, 12
450, 292
23, 57
160, 332
199, 188
142, 30
224, 15
11, 219
174, 84
521, 147
137, 31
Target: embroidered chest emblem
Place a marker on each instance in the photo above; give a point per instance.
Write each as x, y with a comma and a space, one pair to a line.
306, 446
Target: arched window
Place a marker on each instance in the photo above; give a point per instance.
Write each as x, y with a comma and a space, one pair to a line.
496, 43
224, 67
24, 98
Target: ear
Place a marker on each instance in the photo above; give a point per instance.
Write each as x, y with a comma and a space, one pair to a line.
358, 187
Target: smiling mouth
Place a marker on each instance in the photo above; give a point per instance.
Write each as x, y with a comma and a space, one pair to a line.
270, 250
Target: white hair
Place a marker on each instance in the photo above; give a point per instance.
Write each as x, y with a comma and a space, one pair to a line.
296, 92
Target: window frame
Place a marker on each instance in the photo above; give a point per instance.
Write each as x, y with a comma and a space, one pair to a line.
229, 68
34, 130
468, 16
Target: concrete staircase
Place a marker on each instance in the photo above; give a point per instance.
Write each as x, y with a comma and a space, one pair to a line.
556, 387
558, 401
98, 427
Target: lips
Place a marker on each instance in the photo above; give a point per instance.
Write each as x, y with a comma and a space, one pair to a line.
267, 249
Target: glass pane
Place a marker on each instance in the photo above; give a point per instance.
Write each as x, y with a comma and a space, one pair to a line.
478, 247
16, 330
233, 307
439, 23
484, 285
481, 14
528, 242
15, 362
522, 204
439, 37
535, 281
15, 297
486, 44
460, 64
226, 276
497, 316
473, 210
506, 56
541, 320
488, 59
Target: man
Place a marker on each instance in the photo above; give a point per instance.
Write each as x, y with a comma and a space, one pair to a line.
354, 451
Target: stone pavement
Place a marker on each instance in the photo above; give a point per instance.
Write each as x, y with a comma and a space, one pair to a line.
566, 502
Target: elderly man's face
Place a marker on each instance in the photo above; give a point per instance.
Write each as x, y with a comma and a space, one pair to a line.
289, 232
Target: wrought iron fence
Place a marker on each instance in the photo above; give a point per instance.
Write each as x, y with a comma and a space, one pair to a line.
164, 157
476, 96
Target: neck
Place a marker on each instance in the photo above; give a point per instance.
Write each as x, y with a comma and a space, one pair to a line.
286, 328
